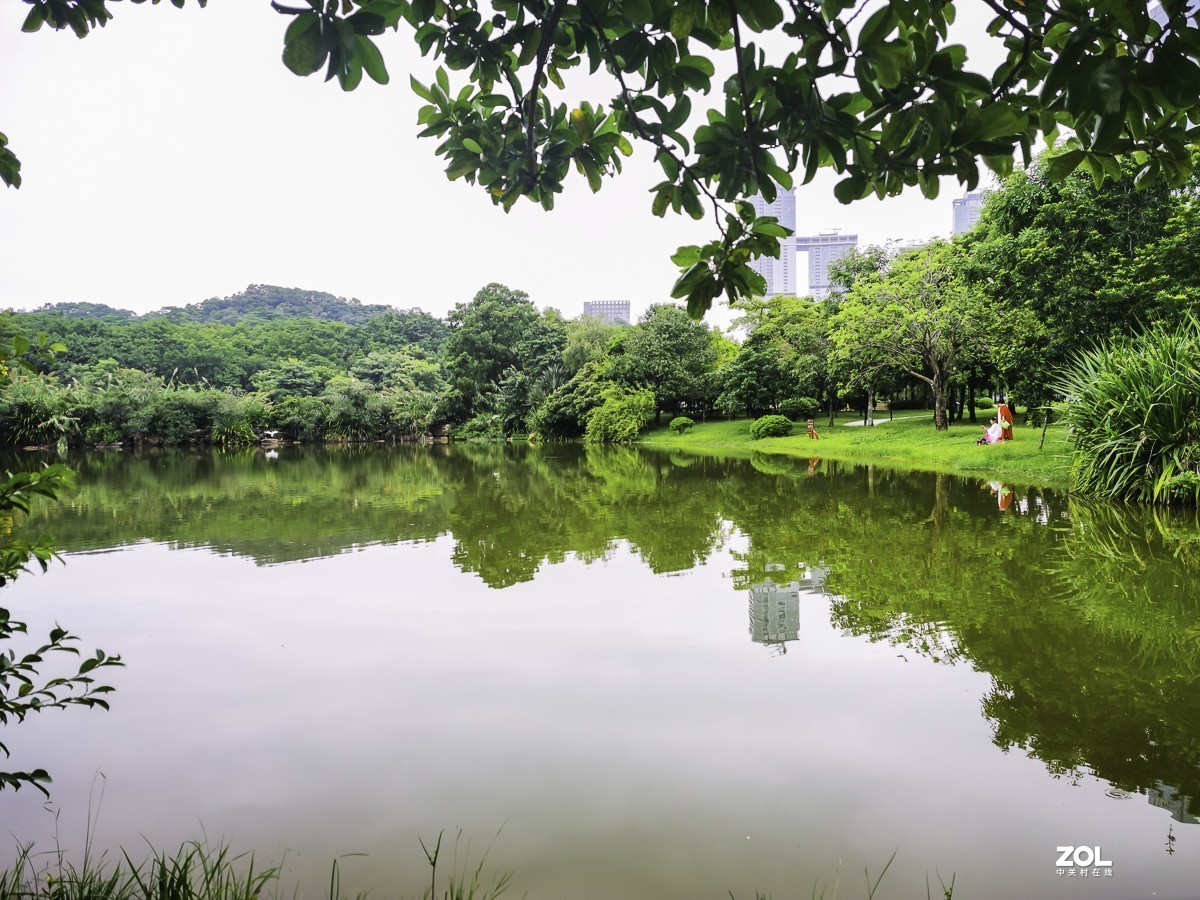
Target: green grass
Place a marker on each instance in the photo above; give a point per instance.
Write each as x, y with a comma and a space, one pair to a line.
908, 442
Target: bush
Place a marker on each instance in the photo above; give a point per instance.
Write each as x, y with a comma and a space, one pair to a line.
680, 424
236, 419
620, 417
902, 403
770, 426
1134, 411
484, 428
177, 416
798, 408
984, 403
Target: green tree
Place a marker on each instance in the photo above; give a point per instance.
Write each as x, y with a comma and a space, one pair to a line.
673, 356
782, 357
588, 340
483, 340
1071, 264
922, 314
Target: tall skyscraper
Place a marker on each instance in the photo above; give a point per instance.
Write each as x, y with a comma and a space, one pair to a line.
967, 211
780, 274
614, 312
823, 250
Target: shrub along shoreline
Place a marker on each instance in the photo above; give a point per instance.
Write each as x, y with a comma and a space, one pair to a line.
908, 442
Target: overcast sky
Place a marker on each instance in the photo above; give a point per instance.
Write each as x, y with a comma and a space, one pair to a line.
170, 157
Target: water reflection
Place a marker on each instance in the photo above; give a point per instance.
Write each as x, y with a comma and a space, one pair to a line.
1086, 620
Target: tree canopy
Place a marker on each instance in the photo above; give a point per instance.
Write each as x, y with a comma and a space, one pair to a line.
879, 93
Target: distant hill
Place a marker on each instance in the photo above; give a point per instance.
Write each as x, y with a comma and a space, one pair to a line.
83, 310
267, 301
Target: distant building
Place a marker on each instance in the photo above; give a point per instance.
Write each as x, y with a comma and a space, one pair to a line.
966, 212
823, 250
1159, 15
780, 273
614, 312
909, 246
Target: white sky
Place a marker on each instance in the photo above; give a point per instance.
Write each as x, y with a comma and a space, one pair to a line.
170, 157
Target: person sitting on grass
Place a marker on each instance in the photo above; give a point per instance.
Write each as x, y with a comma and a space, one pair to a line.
812, 430
991, 434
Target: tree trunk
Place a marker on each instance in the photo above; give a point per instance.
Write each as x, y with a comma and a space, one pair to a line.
971, 400
832, 397
870, 419
940, 420
962, 403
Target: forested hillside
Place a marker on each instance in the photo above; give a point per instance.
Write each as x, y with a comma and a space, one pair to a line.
258, 302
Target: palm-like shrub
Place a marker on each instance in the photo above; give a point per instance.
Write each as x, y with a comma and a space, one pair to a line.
1134, 411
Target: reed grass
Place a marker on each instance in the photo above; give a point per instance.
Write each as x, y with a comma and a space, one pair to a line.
195, 871
200, 871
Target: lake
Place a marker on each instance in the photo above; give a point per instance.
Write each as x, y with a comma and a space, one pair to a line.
633, 674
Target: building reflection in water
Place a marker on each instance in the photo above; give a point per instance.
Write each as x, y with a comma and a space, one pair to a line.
1167, 797
775, 608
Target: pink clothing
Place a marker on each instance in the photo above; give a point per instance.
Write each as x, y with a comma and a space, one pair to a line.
993, 433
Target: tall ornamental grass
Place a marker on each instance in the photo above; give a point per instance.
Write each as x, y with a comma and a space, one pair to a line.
1134, 411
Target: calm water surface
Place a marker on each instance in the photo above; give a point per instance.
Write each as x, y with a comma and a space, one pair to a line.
658, 676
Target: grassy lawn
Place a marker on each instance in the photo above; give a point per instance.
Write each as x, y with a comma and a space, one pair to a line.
909, 441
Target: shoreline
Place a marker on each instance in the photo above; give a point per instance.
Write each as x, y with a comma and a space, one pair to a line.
908, 442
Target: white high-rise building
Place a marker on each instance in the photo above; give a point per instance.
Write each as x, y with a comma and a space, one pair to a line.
967, 211
780, 274
614, 312
823, 250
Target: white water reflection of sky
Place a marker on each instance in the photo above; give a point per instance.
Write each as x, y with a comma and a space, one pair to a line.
621, 726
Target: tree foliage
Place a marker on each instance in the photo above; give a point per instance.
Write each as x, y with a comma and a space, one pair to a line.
1072, 265
922, 316
673, 356
23, 689
880, 95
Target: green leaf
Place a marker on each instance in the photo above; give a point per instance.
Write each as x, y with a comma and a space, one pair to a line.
303, 52
1063, 164
849, 189
472, 145
372, 60
420, 90
687, 256
681, 21
639, 12
34, 20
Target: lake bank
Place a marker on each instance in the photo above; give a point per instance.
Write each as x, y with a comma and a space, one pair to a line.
907, 442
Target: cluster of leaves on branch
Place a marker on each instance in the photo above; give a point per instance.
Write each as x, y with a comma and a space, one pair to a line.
876, 92
879, 93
